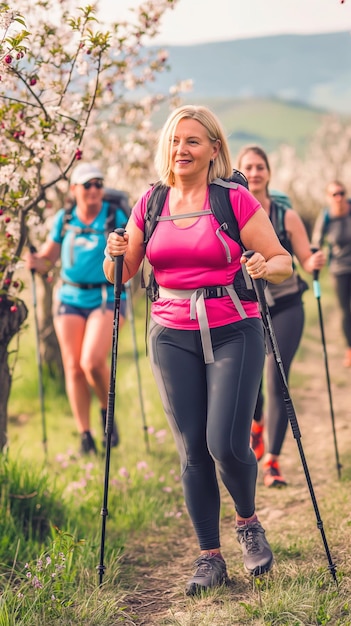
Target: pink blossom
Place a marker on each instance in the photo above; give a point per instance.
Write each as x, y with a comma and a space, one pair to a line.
141, 465
124, 472
149, 475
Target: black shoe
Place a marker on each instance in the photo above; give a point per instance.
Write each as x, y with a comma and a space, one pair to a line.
114, 434
258, 557
87, 445
211, 571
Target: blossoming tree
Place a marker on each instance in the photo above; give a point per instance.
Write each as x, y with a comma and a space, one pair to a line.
66, 81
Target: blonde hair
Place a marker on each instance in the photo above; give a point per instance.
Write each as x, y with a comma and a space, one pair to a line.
219, 168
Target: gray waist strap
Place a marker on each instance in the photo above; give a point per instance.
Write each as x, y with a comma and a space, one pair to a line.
198, 309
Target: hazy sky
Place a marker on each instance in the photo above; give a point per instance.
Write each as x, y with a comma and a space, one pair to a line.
197, 21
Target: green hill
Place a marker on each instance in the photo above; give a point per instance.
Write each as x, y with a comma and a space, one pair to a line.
268, 123
313, 69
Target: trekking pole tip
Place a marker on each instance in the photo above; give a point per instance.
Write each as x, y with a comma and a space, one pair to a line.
332, 569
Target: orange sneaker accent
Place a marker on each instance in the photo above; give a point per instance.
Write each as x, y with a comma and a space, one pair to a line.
256, 440
272, 476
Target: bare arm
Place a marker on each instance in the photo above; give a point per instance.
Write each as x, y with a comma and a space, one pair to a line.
301, 244
131, 245
271, 261
44, 260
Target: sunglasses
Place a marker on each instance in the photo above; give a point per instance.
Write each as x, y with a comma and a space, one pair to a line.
338, 193
98, 184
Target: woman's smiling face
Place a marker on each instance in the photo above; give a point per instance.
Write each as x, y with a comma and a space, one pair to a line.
192, 150
255, 169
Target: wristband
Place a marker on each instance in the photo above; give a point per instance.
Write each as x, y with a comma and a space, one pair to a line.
108, 256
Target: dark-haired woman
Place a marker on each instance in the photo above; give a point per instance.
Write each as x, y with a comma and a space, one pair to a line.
286, 308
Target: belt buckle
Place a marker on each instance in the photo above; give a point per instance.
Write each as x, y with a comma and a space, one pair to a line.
213, 292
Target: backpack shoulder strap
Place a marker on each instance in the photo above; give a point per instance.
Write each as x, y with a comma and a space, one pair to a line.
277, 217
278, 212
117, 202
221, 205
222, 208
67, 216
154, 207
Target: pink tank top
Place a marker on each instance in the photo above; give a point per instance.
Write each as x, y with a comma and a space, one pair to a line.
193, 257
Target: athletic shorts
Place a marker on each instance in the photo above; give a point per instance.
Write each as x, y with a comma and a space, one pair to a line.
68, 309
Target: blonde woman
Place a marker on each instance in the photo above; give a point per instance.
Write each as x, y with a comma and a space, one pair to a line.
208, 388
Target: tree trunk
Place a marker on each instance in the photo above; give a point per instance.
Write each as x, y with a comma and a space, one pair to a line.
12, 317
49, 347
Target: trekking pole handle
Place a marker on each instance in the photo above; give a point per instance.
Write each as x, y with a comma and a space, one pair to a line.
32, 250
120, 232
315, 249
258, 282
119, 266
248, 253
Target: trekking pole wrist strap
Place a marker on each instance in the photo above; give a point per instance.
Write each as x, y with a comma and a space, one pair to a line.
108, 256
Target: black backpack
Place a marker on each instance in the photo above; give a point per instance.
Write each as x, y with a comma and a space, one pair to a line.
278, 210
222, 210
117, 200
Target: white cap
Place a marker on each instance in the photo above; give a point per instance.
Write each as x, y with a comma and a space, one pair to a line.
84, 172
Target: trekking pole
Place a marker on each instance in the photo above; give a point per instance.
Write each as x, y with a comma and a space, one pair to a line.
267, 321
136, 358
39, 361
111, 400
317, 293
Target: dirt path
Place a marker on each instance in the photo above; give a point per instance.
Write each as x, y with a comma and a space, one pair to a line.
153, 575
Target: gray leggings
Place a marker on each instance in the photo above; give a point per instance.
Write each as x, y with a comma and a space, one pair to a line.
209, 409
288, 327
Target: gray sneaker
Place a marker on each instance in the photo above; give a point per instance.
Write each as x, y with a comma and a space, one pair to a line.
258, 557
211, 571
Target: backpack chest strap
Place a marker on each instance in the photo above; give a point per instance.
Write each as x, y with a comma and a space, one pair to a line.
179, 216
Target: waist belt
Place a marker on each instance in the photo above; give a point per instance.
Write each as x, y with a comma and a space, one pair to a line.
85, 285
102, 286
197, 299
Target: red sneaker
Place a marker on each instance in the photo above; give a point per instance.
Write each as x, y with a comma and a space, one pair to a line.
272, 476
256, 441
